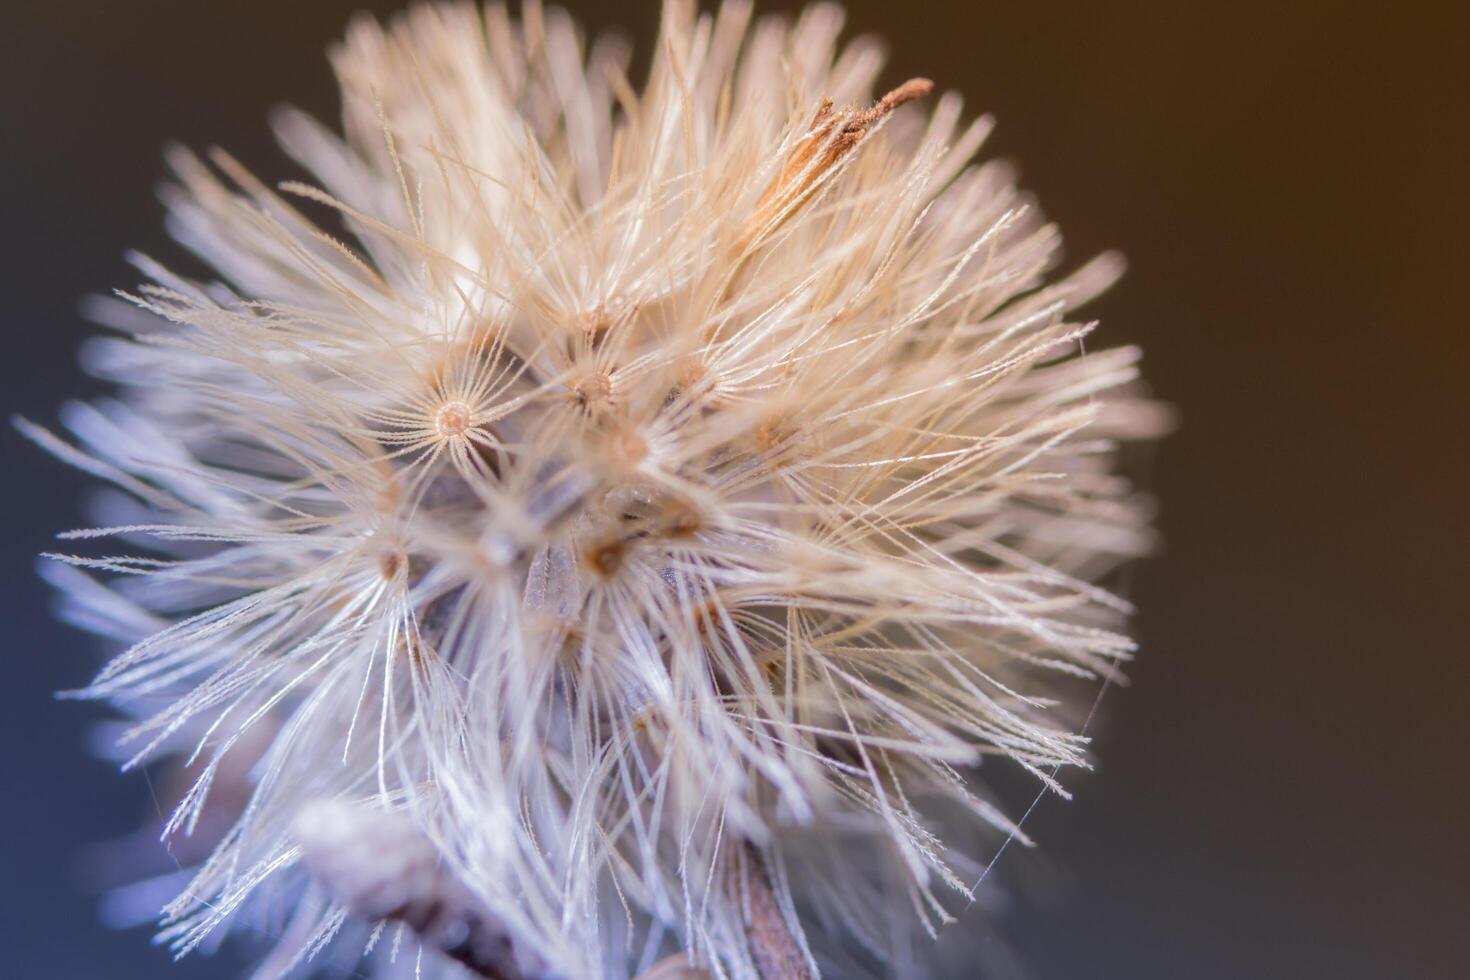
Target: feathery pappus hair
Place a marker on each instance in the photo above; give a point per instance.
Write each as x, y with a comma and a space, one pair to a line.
660, 499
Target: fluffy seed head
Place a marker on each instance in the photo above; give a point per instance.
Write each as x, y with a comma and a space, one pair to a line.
640, 478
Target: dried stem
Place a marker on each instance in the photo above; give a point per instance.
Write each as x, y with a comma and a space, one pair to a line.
775, 950
832, 136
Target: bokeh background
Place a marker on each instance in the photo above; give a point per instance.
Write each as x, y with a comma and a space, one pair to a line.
1281, 790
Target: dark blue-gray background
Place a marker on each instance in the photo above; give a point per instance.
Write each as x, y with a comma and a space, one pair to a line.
1281, 791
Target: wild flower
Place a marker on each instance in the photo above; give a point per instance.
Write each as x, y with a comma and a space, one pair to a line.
660, 498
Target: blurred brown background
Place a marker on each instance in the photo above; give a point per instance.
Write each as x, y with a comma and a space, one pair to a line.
1281, 791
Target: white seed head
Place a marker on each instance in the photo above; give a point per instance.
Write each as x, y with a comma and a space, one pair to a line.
641, 476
